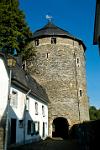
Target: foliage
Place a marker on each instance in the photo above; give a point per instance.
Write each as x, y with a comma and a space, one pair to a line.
94, 113
14, 32
29, 52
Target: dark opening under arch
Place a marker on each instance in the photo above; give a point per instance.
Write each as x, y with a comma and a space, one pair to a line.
60, 128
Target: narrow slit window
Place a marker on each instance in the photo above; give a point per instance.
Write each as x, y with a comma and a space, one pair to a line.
81, 93
77, 60
47, 55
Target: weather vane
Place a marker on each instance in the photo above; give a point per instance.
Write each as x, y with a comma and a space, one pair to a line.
49, 18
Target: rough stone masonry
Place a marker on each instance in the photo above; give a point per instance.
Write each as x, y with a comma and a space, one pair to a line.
59, 66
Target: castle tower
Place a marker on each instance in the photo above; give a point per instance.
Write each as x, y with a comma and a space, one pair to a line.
59, 66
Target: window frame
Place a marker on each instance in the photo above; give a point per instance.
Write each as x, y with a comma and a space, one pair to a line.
36, 42
20, 124
80, 93
37, 127
78, 61
43, 111
30, 127
14, 99
36, 108
53, 40
27, 103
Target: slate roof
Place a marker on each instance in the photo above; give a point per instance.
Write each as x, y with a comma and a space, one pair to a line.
24, 81
52, 30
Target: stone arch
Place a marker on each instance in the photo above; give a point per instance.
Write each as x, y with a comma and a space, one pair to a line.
60, 127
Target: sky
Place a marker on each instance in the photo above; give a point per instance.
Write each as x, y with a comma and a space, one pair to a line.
76, 17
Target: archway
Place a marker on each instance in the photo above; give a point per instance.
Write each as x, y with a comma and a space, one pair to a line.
60, 128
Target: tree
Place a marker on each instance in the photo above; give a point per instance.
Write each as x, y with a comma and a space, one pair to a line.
29, 52
94, 113
14, 32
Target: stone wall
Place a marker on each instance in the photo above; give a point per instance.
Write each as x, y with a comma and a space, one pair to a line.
87, 133
60, 69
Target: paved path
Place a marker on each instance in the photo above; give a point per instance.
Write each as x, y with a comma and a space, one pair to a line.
51, 144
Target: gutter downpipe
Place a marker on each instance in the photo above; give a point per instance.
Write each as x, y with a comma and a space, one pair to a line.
7, 112
25, 115
77, 85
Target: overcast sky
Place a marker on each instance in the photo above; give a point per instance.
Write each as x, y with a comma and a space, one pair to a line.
77, 17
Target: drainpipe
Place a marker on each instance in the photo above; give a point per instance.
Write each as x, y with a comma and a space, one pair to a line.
77, 87
7, 112
25, 114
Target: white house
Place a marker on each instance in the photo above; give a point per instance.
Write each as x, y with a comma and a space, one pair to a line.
28, 111
4, 81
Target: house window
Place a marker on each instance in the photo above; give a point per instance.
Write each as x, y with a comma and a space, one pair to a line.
20, 123
36, 42
43, 111
14, 99
44, 129
53, 40
36, 128
80, 93
36, 108
30, 127
27, 103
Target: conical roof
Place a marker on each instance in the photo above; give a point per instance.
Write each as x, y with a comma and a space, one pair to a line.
52, 30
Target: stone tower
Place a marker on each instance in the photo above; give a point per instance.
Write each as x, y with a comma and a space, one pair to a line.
59, 66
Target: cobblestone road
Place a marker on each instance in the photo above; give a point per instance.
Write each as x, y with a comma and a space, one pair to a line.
50, 144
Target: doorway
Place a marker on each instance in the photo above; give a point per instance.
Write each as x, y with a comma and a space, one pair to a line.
13, 131
60, 128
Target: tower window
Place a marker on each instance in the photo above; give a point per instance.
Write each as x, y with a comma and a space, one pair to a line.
78, 62
36, 42
47, 55
81, 93
53, 40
